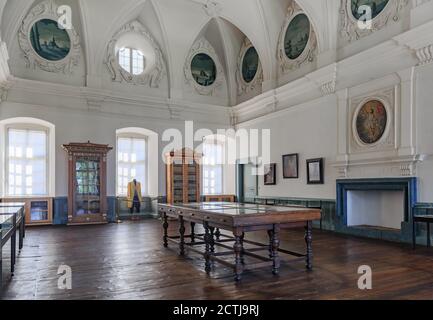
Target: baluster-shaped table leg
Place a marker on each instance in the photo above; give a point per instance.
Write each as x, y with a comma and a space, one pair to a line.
275, 247
207, 245
192, 232
212, 239
217, 234
308, 241
182, 236
238, 251
165, 227
271, 240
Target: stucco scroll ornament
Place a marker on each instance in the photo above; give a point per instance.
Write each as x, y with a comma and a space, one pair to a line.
244, 86
203, 46
47, 9
349, 27
153, 73
308, 55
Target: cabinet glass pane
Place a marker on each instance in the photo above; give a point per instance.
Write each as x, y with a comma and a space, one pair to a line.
38, 211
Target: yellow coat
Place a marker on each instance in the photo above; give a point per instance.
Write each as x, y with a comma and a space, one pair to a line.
131, 191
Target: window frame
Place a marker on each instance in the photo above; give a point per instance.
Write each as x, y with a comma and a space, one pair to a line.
26, 126
131, 61
214, 141
144, 184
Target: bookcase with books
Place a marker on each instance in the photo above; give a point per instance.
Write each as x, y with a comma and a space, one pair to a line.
183, 176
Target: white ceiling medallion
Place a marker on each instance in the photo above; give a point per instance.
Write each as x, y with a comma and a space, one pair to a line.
308, 54
155, 69
349, 25
48, 10
202, 46
244, 86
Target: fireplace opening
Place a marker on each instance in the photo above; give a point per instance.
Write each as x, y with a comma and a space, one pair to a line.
381, 209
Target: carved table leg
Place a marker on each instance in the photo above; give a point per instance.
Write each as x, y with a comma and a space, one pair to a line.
165, 227
192, 232
243, 250
212, 239
271, 240
182, 236
238, 250
308, 241
217, 234
207, 252
275, 247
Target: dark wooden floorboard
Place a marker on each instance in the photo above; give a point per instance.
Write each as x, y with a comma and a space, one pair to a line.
128, 261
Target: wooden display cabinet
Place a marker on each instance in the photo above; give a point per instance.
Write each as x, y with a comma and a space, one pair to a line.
183, 176
87, 197
38, 211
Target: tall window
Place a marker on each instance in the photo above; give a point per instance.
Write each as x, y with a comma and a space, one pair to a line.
131, 60
27, 162
131, 163
213, 156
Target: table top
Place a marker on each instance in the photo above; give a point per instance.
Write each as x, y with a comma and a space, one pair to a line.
12, 204
6, 219
238, 209
9, 210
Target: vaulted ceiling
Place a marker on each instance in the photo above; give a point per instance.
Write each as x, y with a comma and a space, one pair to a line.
176, 25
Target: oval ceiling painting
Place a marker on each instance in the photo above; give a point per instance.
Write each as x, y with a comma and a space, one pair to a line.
250, 65
49, 41
203, 69
297, 36
371, 122
377, 6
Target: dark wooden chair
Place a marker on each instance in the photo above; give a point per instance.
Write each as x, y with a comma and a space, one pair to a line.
426, 218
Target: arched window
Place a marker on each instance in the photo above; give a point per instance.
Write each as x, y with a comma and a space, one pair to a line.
137, 158
27, 146
213, 166
131, 60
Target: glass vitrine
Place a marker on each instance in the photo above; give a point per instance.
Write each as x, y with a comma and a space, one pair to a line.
87, 199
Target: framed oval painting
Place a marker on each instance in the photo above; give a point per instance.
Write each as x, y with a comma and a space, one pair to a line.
297, 36
203, 69
250, 65
377, 6
371, 121
49, 41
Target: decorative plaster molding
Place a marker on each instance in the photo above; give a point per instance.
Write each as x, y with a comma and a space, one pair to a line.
4, 67
244, 86
310, 52
47, 9
325, 78
212, 8
203, 46
425, 55
349, 29
152, 76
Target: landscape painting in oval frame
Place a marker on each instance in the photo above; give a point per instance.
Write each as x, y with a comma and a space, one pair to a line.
297, 36
49, 41
250, 65
377, 6
203, 69
371, 121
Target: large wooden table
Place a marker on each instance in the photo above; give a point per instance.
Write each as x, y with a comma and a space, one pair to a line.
238, 219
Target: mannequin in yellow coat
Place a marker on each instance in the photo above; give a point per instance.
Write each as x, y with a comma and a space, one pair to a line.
134, 196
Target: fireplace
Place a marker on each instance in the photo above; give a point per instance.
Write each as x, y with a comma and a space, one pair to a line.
384, 203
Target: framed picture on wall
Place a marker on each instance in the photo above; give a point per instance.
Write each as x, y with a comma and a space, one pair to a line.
270, 177
291, 166
315, 171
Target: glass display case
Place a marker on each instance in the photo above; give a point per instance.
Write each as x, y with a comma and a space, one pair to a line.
87, 199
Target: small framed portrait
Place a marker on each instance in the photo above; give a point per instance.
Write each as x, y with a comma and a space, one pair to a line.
270, 177
291, 166
315, 171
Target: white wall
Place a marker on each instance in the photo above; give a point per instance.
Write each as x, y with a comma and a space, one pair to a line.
309, 130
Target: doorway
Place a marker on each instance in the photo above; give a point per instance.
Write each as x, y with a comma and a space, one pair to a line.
247, 181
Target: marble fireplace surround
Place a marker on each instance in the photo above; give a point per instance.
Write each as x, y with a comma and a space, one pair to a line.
407, 185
